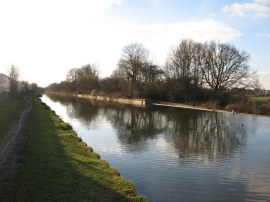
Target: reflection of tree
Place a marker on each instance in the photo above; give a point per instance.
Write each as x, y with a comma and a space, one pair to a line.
135, 126
77, 108
210, 135
190, 132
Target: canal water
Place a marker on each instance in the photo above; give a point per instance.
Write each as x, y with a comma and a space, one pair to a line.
174, 154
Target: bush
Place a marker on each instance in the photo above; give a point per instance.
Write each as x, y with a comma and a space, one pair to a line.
251, 107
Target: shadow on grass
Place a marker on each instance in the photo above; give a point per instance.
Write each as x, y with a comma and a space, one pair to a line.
59, 167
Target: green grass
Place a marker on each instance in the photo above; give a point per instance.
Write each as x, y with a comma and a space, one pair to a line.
60, 167
259, 98
9, 111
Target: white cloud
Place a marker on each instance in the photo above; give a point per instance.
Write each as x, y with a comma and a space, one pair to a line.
47, 38
160, 37
255, 9
263, 35
262, 1
265, 80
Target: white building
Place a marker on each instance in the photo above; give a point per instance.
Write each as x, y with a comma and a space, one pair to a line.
5, 83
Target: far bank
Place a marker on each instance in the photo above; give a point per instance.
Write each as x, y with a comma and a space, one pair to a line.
252, 105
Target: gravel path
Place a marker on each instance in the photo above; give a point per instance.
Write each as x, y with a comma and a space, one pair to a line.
11, 153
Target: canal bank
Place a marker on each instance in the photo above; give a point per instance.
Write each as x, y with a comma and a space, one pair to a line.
58, 166
254, 108
135, 101
13, 113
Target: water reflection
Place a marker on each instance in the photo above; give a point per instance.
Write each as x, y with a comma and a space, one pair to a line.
135, 126
79, 109
177, 154
209, 135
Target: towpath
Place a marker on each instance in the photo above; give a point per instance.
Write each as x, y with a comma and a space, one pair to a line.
11, 152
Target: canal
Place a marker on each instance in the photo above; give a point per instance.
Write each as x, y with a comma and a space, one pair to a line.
174, 154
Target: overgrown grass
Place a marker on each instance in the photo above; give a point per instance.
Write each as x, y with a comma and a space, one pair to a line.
9, 111
250, 106
60, 167
259, 98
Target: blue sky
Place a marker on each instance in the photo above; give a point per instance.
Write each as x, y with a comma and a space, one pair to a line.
47, 38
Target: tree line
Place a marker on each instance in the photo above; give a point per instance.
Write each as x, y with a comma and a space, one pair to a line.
193, 71
13, 72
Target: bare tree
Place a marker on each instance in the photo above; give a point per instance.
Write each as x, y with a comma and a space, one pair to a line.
118, 73
133, 59
72, 75
14, 75
88, 78
197, 55
89, 70
14, 72
182, 70
184, 61
180, 59
151, 72
85, 78
225, 68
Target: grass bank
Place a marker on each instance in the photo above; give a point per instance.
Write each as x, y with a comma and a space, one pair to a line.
252, 105
9, 111
259, 98
60, 167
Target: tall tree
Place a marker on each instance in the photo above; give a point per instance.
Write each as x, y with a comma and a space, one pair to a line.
88, 76
14, 75
182, 70
85, 78
225, 68
14, 72
151, 72
89, 70
184, 61
72, 75
134, 58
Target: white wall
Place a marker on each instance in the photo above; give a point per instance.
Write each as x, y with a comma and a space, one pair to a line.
4, 83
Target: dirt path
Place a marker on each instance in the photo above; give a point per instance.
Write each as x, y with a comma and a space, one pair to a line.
11, 152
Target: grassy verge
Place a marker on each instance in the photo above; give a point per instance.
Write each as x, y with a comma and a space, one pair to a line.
9, 111
259, 98
252, 105
60, 167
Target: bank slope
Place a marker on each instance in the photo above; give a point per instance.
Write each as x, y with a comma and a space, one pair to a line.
60, 167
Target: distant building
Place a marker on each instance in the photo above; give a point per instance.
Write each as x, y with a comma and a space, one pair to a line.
6, 83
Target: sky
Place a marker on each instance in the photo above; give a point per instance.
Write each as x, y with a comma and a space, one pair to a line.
46, 38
